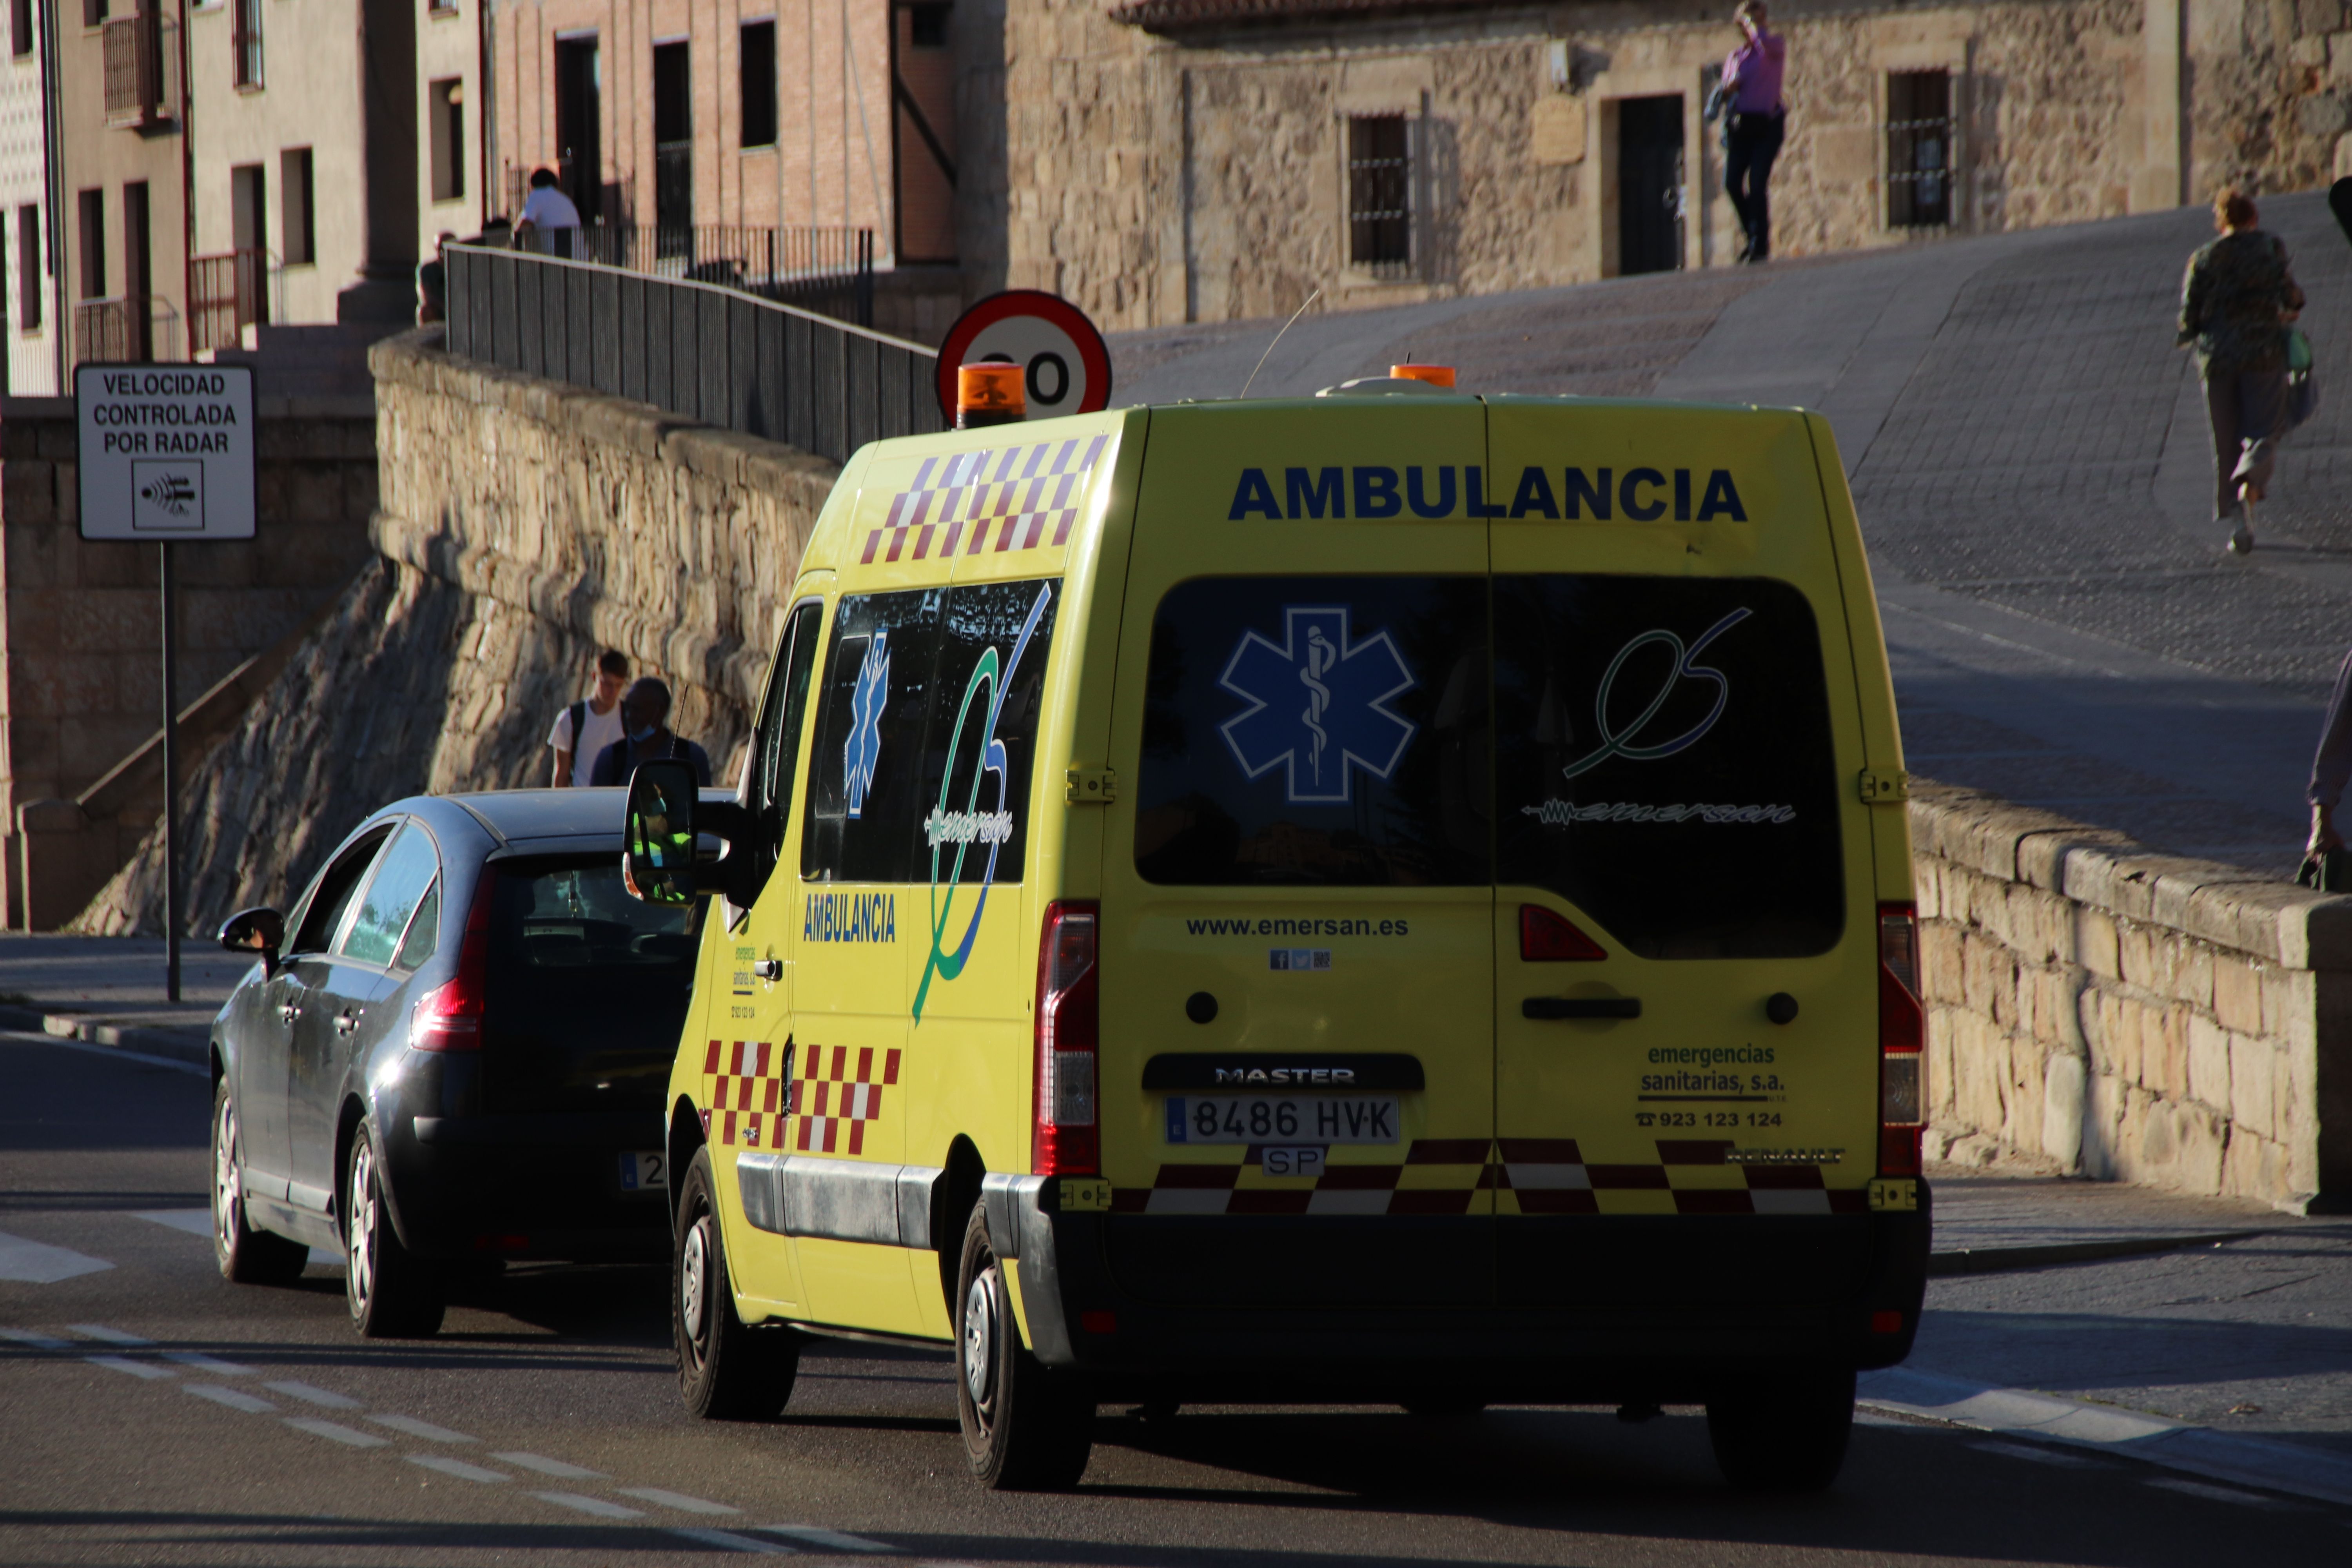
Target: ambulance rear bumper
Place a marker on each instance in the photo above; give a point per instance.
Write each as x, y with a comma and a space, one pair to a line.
1570, 1309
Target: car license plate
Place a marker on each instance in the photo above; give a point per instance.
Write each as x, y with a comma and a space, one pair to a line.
643, 1173
1282, 1118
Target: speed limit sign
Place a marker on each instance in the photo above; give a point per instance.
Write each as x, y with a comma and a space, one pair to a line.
1067, 368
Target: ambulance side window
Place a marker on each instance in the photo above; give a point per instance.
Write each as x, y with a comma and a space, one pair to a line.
780, 730
981, 757
865, 770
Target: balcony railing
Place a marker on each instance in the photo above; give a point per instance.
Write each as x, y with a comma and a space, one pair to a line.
142, 71
226, 293
829, 270
133, 327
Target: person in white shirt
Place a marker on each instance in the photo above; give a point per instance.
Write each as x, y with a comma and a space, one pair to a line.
588, 726
546, 210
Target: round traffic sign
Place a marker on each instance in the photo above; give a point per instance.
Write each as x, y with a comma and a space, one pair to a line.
1067, 367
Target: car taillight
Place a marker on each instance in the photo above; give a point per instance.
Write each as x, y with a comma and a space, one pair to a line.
1902, 1042
1068, 1142
449, 1017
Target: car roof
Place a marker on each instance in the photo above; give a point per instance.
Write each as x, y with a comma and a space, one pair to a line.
512, 813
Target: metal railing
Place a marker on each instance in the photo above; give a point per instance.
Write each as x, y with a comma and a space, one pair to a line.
699, 350
828, 271
226, 293
133, 327
1922, 157
141, 68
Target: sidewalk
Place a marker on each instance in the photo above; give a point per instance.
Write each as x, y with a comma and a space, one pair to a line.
108, 991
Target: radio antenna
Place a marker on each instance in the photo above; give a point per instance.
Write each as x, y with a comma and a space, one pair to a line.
1277, 338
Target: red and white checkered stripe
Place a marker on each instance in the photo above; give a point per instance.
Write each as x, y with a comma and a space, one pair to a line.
838, 1094
744, 1091
1003, 499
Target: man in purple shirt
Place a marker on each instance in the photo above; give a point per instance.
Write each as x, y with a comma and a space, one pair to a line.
1753, 119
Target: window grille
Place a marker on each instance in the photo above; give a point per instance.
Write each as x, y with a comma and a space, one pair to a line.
1380, 194
1920, 135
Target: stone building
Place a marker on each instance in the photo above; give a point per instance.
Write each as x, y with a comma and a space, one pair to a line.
1166, 161
28, 296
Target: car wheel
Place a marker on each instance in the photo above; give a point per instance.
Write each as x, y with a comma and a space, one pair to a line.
1026, 1427
1786, 1434
392, 1293
727, 1371
246, 1255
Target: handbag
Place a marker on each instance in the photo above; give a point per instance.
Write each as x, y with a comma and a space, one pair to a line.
2330, 871
2302, 386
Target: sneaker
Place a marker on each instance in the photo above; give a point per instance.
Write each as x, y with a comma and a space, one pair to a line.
2242, 540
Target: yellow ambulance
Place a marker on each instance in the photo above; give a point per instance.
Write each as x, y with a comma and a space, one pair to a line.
1395, 897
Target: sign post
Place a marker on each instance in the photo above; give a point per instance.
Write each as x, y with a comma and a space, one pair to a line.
166, 454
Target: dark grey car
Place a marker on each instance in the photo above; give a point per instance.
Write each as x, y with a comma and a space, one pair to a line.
453, 1052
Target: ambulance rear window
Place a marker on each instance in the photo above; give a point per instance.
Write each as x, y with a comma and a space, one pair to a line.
1664, 761
1315, 731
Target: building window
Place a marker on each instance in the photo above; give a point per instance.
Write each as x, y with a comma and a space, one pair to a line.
28, 269
927, 26
1919, 149
442, 7
579, 126
673, 147
446, 110
20, 27
1379, 193
758, 62
245, 41
92, 205
93, 13
297, 240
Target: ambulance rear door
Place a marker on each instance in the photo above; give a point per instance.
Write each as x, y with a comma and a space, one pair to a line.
1685, 962
1296, 1068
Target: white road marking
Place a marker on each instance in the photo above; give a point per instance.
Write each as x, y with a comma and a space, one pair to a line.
677, 1500
832, 1540
111, 1336
547, 1467
425, 1430
2218, 1494
206, 1363
115, 1052
232, 1398
309, 1395
195, 1222
319, 1428
39, 1341
145, 1369
457, 1468
38, 1263
595, 1505
734, 1543
2039, 1456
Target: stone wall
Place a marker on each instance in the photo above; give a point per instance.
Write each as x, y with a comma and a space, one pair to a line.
525, 527
1196, 168
81, 653
2094, 1009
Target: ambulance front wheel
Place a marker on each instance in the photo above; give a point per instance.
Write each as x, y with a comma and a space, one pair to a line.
726, 1370
1784, 1433
1026, 1427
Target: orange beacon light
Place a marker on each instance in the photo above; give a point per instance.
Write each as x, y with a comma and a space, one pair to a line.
1435, 375
988, 395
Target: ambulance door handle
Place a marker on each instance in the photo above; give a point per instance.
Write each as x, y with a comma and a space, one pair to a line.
769, 969
1547, 1007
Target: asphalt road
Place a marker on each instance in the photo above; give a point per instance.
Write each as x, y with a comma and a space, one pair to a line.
150, 1413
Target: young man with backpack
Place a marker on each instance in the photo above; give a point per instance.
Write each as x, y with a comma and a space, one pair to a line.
588, 726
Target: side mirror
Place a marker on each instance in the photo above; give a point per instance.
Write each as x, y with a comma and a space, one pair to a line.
658, 860
261, 930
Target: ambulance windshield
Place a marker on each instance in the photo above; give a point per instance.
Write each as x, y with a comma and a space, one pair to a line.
1664, 761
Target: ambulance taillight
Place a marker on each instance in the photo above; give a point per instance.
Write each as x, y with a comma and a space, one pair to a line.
1902, 1042
449, 1017
1069, 1141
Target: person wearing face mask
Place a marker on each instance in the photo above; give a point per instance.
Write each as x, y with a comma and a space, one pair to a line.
646, 738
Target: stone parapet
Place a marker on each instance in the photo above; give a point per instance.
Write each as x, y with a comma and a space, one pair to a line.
2100, 1010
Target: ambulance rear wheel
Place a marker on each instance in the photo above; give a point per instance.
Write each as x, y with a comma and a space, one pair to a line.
1783, 1434
1026, 1427
727, 1371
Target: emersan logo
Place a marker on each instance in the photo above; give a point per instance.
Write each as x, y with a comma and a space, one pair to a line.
1639, 495
1266, 926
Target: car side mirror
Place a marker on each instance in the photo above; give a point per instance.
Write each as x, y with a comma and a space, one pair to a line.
659, 858
261, 930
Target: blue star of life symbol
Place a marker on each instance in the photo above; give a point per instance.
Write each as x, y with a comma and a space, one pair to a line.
1317, 705
864, 747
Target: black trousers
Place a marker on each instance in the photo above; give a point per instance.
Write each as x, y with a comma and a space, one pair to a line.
1750, 143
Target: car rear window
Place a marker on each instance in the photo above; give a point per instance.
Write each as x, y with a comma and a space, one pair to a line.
1664, 761
1324, 731
587, 986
